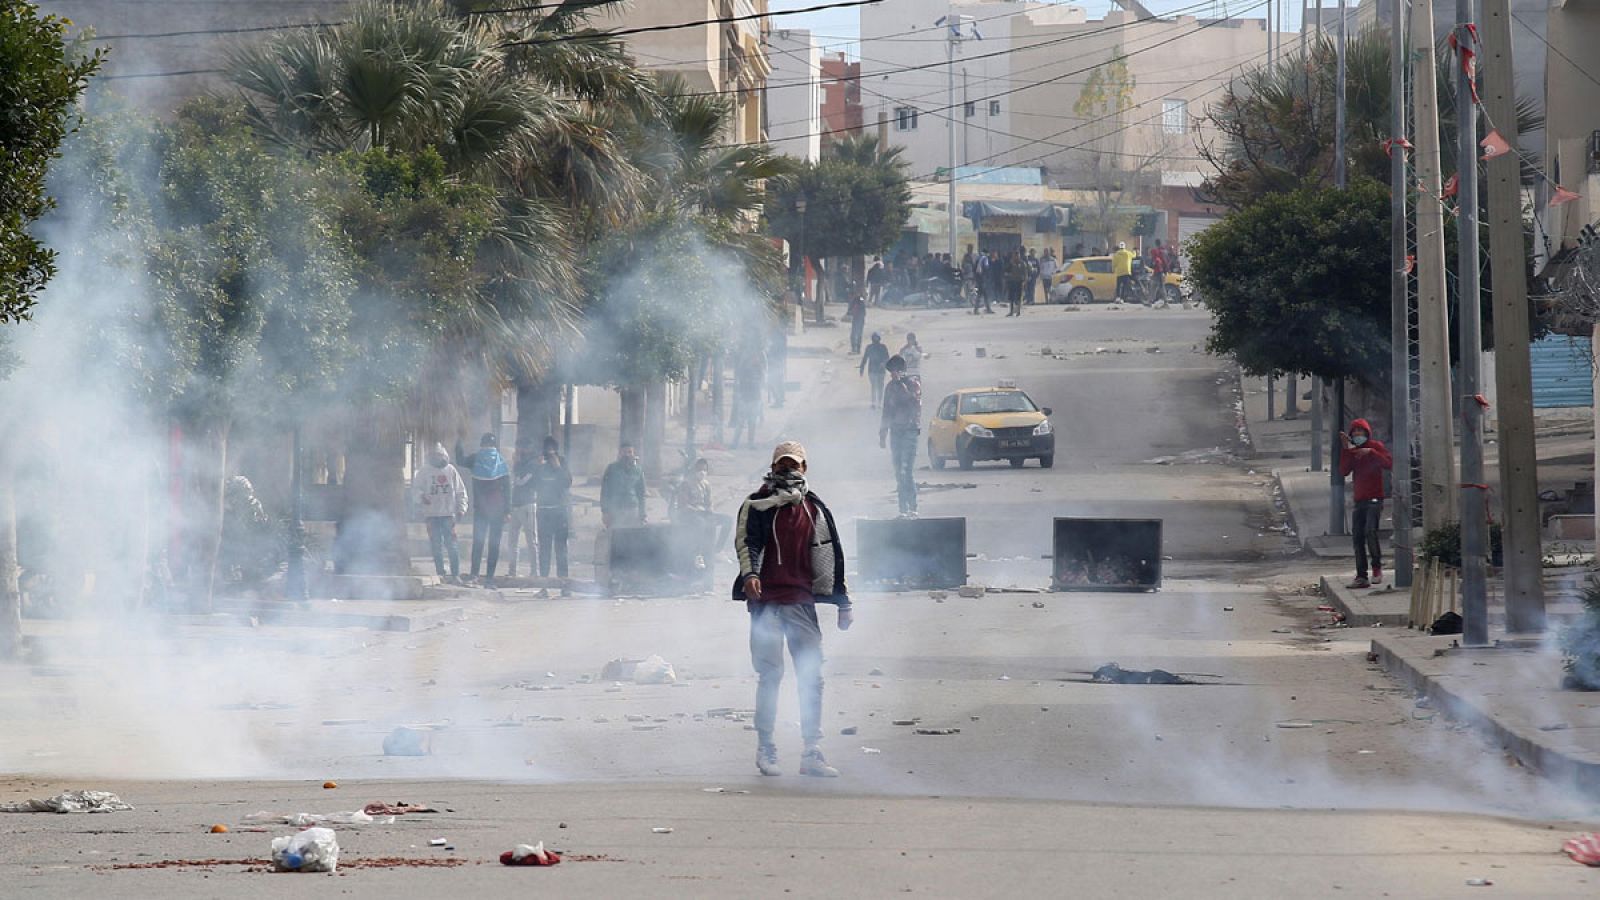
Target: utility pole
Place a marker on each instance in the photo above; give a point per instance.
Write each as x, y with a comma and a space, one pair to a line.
1433, 315
952, 25
1519, 476
1399, 311
1335, 422
1474, 493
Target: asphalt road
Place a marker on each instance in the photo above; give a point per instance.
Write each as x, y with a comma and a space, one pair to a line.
1292, 768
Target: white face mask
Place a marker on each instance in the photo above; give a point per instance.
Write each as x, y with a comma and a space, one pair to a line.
1359, 439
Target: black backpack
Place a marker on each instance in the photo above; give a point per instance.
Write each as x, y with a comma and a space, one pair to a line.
1448, 623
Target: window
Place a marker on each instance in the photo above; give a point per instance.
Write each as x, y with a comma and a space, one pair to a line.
994, 107
992, 402
1174, 116
947, 409
1098, 266
972, 108
905, 118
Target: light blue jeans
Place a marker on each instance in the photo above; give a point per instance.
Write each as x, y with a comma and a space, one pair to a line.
770, 625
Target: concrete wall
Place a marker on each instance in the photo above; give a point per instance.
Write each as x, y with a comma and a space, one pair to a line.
1573, 114
794, 94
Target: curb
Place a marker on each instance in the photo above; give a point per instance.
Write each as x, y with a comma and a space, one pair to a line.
1532, 750
1357, 612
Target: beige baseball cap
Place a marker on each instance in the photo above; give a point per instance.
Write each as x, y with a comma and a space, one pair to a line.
791, 449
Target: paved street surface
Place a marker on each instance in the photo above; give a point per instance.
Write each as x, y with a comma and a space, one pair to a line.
1294, 767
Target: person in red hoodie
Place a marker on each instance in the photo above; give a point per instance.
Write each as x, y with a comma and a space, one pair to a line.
1365, 458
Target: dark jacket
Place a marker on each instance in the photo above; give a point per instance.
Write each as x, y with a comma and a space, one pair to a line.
753, 530
524, 480
552, 484
874, 358
1368, 468
622, 488
491, 496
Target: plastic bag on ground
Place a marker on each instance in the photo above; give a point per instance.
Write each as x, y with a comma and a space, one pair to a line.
525, 855
70, 802
654, 670
312, 850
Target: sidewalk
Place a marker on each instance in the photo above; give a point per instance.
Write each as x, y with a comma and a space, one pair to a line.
1511, 691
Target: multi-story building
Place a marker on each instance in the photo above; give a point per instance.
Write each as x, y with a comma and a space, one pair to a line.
841, 98
1020, 71
1572, 127
727, 57
794, 94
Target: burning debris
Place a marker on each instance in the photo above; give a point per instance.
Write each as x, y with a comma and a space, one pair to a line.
1117, 572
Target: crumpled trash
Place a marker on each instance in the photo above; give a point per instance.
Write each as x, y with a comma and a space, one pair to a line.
1111, 673
312, 850
70, 802
525, 855
654, 670
1585, 848
306, 820
395, 809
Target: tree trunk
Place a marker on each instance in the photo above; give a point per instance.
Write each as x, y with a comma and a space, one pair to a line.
632, 418
10, 594
371, 531
205, 469
719, 422
655, 425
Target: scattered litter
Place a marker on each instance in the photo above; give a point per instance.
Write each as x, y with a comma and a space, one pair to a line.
1294, 724
330, 785
70, 802
905, 721
219, 829
660, 830
437, 842
1227, 609
344, 721
620, 669
722, 790
1558, 726
1479, 882
395, 809
970, 591
1111, 673
407, 741
1365, 752
937, 595
876, 673
850, 729
1005, 677
937, 731
870, 750
1585, 848
306, 820
1038, 604
524, 855
654, 670
1282, 631
312, 850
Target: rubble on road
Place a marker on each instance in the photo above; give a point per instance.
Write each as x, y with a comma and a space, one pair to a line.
1111, 673
654, 670
70, 802
937, 731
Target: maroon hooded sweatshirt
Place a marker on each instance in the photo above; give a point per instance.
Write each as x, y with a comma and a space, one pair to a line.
1367, 468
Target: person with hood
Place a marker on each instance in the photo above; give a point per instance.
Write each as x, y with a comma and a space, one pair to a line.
439, 494
899, 429
553, 493
1366, 458
524, 513
913, 354
491, 501
790, 559
873, 361
622, 490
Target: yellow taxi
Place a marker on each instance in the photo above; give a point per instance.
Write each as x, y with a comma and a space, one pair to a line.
991, 423
1088, 279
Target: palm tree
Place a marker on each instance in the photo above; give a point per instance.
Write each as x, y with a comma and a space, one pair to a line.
1277, 121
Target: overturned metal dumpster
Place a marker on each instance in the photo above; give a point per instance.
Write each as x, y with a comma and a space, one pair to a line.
1106, 554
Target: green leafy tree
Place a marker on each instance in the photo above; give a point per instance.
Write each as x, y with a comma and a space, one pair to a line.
1276, 123
40, 81
1299, 282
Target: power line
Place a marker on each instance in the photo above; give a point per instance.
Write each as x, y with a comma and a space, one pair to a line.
720, 20
1548, 46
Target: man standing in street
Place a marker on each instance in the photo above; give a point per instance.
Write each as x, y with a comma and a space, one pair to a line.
899, 429
1122, 267
440, 494
1367, 459
790, 558
622, 491
872, 365
1047, 272
1033, 277
913, 355
491, 502
877, 277
1016, 277
858, 322
553, 494
524, 522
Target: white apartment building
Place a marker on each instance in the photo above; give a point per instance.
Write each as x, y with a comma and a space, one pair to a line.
794, 94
